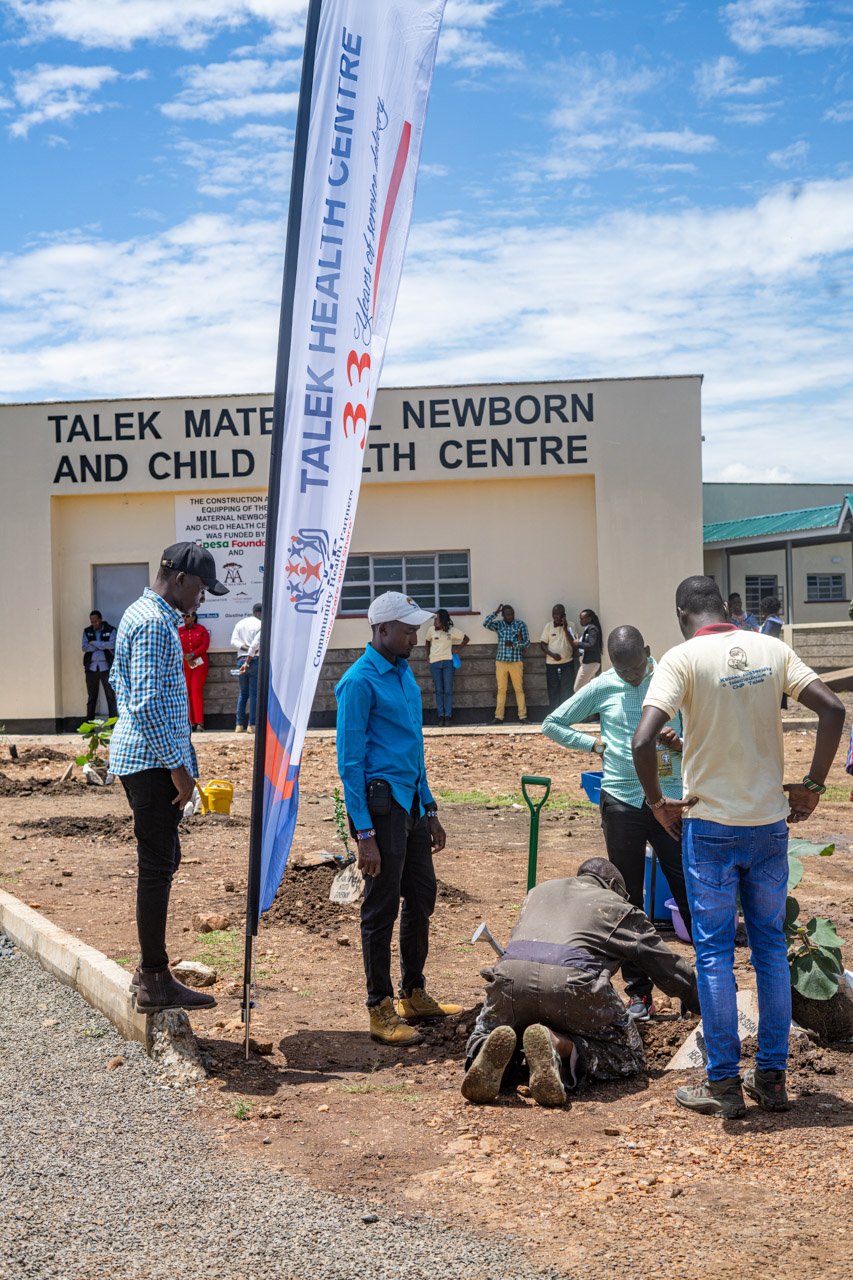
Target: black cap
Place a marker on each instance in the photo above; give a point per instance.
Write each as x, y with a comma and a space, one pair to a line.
189, 557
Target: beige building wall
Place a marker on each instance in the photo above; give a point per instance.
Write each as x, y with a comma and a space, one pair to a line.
829, 557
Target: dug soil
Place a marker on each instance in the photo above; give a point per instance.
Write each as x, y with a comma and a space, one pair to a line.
619, 1182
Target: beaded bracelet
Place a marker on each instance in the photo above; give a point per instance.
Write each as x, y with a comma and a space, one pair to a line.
430, 813
370, 834
814, 787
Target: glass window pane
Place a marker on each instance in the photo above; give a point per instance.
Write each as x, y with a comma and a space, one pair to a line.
454, 598
386, 573
420, 572
420, 561
425, 597
357, 573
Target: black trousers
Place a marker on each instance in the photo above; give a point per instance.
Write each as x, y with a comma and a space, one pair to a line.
406, 872
561, 681
626, 831
155, 825
94, 681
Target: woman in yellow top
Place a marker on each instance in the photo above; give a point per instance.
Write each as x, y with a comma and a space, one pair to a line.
440, 641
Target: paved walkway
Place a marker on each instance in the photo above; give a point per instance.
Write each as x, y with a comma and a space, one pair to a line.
103, 1174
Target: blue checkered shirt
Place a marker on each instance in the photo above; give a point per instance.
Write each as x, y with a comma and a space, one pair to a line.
513, 638
153, 730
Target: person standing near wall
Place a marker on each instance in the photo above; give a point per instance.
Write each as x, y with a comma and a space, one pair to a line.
243, 638
513, 639
99, 642
440, 639
729, 684
151, 752
393, 816
738, 617
556, 644
195, 642
772, 622
588, 648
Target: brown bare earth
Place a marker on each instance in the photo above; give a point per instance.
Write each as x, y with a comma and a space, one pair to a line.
619, 1183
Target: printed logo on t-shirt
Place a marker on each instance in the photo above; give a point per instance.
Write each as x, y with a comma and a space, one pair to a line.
756, 676
738, 658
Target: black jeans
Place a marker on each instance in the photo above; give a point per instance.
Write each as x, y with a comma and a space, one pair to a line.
560, 682
94, 680
626, 831
407, 872
155, 825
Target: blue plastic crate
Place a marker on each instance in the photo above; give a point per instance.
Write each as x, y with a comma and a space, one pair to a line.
591, 783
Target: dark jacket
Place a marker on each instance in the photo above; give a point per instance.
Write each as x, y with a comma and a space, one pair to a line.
107, 636
563, 921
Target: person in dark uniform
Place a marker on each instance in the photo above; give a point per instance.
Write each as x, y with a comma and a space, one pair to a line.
99, 642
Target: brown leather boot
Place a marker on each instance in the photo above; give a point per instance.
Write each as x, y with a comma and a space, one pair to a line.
158, 991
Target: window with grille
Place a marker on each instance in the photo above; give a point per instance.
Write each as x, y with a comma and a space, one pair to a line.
435, 579
756, 587
825, 586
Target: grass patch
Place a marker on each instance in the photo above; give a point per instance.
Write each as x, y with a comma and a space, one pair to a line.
837, 793
241, 1110
400, 1091
124, 961
505, 800
222, 950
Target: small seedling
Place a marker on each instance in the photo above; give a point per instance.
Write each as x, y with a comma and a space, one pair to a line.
341, 828
97, 734
241, 1111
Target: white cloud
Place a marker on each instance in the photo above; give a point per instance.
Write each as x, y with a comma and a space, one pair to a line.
56, 94
744, 473
600, 91
242, 87
758, 298
722, 79
754, 25
841, 113
118, 24
470, 51
789, 157
252, 163
683, 140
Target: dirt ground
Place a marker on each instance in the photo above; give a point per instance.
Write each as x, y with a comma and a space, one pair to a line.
619, 1182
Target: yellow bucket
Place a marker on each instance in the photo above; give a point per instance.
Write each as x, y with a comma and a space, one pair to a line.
217, 796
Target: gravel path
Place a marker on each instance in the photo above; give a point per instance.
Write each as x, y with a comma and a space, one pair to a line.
104, 1174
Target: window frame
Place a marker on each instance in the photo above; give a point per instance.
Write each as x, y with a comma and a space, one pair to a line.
408, 586
763, 592
841, 598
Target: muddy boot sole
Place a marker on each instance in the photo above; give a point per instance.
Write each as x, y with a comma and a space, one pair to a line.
546, 1084
483, 1078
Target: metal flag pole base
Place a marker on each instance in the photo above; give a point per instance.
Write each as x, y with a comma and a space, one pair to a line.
248, 1003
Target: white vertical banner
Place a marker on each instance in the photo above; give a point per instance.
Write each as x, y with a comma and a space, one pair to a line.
372, 70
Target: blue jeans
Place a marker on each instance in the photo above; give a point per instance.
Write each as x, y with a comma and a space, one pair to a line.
248, 695
720, 862
442, 678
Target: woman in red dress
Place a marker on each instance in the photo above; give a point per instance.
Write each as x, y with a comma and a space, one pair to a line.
195, 642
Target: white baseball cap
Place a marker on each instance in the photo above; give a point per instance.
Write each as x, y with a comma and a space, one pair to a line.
393, 606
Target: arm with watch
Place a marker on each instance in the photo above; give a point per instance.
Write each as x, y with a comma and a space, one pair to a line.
803, 796
559, 725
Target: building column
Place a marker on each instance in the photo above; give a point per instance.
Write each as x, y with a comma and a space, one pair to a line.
727, 573
789, 582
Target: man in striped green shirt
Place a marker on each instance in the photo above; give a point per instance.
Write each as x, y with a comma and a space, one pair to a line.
626, 820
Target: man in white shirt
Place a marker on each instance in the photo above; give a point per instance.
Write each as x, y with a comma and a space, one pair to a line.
245, 638
728, 684
556, 644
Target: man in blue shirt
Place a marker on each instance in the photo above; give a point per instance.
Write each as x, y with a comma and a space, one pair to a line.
99, 642
626, 820
392, 814
152, 754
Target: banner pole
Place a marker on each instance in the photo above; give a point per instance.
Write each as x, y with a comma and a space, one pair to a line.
291, 259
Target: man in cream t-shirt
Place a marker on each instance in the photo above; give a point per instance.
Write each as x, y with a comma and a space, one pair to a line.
728, 685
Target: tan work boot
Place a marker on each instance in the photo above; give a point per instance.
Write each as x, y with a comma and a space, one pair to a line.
388, 1028
238, 728
483, 1078
418, 1006
546, 1080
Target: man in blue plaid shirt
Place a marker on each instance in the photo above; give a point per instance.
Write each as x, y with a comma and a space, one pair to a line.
152, 754
513, 639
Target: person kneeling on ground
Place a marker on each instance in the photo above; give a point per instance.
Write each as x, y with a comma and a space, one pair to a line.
551, 990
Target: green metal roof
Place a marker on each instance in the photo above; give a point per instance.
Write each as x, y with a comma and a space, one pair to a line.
779, 524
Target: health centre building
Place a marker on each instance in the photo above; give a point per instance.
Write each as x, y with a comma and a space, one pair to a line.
585, 493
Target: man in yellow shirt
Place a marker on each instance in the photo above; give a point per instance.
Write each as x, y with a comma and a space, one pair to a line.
728, 685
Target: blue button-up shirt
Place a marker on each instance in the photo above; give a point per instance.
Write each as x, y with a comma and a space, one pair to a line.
153, 730
380, 734
618, 706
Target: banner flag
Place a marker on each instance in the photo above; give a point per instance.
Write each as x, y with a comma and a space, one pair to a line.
365, 86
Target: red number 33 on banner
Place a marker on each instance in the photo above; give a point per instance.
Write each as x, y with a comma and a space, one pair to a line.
355, 416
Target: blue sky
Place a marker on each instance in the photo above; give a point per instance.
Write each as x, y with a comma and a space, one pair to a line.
606, 190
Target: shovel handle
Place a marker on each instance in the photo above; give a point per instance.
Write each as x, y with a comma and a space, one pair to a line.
530, 780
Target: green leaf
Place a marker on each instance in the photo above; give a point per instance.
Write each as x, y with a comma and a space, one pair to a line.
792, 911
88, 727
822, 932
814, 976
806, 849
795, 872
81, 760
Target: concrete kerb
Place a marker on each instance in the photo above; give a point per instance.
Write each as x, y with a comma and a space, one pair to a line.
103, 984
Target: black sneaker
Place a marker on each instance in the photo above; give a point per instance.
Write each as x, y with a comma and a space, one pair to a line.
767, 1088
723, 1098
640, 1008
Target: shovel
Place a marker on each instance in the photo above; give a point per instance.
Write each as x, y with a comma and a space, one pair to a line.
535, 807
